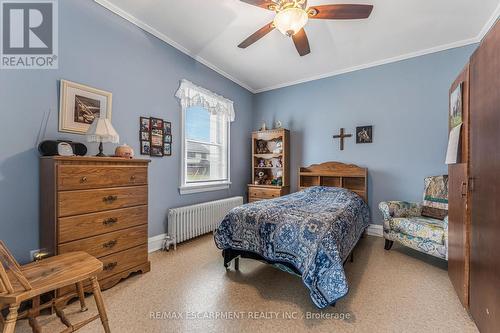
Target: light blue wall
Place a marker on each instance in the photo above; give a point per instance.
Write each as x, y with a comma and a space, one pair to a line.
405, 101
407, 104
102, 50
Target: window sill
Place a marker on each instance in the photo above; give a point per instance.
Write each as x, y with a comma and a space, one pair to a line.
203, 187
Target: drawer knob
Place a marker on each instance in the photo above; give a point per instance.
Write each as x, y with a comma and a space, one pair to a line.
83, 179
132, 178
110, 266
110, 221
110, 244
110, 198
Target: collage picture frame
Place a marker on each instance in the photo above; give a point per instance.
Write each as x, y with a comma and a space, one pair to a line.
155, 136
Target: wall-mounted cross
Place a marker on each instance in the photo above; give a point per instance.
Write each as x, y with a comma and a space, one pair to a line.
342, 136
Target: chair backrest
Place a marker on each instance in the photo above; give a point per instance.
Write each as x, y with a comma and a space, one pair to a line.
9, 264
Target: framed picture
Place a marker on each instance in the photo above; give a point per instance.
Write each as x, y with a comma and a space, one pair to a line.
167, 127
157, 151
80, 105
145, 148
156, 124
155, 136
456, 107
364, 134
145, 124
167, 149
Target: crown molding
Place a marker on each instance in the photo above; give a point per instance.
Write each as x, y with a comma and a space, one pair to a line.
374, 64
132, 19
491, 22
486, 28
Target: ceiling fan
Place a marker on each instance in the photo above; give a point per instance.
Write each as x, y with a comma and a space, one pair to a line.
293, 15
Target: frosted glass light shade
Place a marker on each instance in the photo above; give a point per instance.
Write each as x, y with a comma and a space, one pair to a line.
101, 130
290, 21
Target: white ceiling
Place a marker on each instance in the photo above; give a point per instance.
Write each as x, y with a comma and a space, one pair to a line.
210, 30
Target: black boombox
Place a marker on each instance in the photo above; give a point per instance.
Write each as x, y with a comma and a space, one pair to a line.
62, 147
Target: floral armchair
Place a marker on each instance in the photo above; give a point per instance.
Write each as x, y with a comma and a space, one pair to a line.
404, 223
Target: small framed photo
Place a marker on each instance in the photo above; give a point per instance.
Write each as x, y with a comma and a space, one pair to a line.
456, 107
145, 148
157, 151
144, 136
364, 134
167, 127
145, 124
167, 138
157, 137
80, 105
156, 124
167, 149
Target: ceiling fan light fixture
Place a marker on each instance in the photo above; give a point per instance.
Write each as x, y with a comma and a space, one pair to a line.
290, 20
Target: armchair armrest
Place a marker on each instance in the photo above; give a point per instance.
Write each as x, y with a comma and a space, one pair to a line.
395, 209
445, 226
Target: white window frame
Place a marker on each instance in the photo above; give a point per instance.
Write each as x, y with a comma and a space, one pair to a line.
190, 188
212, 99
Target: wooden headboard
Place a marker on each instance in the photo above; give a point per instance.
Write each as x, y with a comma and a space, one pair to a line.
335, 174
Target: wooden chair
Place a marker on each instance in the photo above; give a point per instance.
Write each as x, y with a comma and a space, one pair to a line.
22, 283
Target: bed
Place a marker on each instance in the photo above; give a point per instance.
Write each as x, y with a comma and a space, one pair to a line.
310, 233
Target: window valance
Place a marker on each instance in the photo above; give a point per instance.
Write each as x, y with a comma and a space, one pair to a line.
193, 95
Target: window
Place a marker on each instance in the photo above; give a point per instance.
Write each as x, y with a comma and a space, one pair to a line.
206, 119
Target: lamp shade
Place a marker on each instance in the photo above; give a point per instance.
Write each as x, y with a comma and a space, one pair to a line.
101, 130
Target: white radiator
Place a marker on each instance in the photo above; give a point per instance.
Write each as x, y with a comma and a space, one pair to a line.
191, 221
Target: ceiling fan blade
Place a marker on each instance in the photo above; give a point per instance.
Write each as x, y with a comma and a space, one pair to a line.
301, 42
340, 12
257, 35
266, 4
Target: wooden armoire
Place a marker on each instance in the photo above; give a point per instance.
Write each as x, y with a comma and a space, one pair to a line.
474, 187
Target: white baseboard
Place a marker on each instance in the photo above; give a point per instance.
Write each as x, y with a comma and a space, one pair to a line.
375, 230
155, 243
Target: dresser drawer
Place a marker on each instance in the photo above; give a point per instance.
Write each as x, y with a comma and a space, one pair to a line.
90, 201
114, 264
263, 193
78, 177
124, 260
103, 245
88, 225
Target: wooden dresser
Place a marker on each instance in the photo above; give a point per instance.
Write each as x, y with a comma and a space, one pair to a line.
98, 205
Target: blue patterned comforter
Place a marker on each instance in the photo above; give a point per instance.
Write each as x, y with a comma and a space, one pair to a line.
314, 230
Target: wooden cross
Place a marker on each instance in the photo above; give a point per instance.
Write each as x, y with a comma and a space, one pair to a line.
342, 136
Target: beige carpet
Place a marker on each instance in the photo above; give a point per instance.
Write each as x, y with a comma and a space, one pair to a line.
396, 291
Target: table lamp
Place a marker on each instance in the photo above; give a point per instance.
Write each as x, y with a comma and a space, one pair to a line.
102, 131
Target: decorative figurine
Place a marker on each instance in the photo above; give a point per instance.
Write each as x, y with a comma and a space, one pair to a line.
278, 125
279, 163
279, 147
124, 151
269, 164
261, 163
264, 127
262, 147
261, 178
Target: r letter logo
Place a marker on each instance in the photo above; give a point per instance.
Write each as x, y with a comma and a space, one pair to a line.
29, 38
